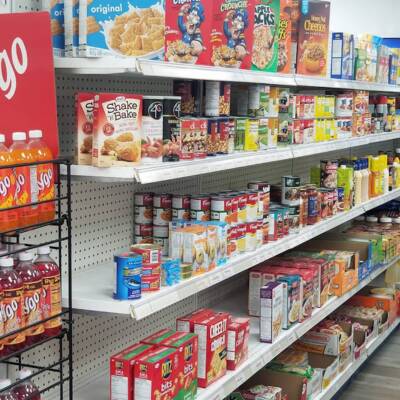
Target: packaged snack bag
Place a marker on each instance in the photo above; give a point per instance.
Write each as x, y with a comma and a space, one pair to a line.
284, 37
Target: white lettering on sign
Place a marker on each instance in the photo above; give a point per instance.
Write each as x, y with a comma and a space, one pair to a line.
9, 68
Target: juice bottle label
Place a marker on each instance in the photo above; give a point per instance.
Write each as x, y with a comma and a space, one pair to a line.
52, 300
13, 314
45, 183
23, 178
7, 196
33, 305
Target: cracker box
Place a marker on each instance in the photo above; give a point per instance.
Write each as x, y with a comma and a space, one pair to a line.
187, 31
266, 35
159, 337
212, 334
56, 10
232, 33
132, 28
117, 130
271, 296
122, 371
157, 374
84, 109
187, 346
284, 37
238, 342
313, 39
186, 323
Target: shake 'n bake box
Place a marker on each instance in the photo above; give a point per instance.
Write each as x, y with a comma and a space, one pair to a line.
232, 33
187, 31
122, 371
212, 333
157, 375
131, 28
187, 346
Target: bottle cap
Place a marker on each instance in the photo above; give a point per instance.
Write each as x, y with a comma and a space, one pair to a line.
4, 383
35, 134
2, 138
25, 256
24, 373
385, 220
6, 262
43, 250
19, 136
372, 219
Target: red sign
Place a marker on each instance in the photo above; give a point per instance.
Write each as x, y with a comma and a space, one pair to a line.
27, 83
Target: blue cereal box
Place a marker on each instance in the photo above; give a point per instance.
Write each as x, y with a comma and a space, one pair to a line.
342, 60
130, 28
127, 276
56, 11
71, 22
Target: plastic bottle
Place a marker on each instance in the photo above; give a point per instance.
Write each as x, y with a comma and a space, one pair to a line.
25, 179
365, 180
8, 219
6, 395
51, 289
376, 181
33, 296
44, 175
385, 173
357, 183
26, 390
12, 287
15, 247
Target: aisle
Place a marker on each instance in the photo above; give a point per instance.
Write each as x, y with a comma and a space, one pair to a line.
379, 378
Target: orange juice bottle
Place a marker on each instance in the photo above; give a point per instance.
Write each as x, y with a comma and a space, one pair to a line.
26, 180
44, 174
8, 219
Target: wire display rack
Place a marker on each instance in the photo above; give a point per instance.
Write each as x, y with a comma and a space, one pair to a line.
55, 233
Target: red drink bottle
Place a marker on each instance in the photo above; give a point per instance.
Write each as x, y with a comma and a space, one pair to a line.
26, 390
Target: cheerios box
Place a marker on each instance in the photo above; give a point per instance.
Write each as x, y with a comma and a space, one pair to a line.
117, 129
157, 374
187, 31
130, 28
232, 33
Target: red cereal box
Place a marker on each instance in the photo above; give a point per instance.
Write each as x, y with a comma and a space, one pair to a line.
212, 334
186, 323
238, 342
158, 338
187, 31
187, 346
84, 108
232, 33
122, 371
157, 374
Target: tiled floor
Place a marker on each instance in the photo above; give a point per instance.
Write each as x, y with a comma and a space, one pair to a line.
379, 378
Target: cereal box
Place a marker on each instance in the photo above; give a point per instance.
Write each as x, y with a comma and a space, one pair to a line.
187, 31
117, 129
238, 342
294, 20
313, 40
56, 11
232, 33
266, 35
186, 323
187, 346
271, 311
71, 25
133, 28
212, 333
284, 37
122, 371
157, 375
84, 108
159, 337
342, 56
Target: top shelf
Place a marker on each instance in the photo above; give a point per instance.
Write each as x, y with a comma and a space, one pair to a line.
160, 69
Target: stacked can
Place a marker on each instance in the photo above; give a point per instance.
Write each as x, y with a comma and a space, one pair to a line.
162, 216
200, 207
128, 276
151, 266
143, 218
263, 189
181, 206
291, 198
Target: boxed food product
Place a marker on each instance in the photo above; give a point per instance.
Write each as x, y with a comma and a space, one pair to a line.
259, 392
251, 139
382, 72
71, 27
133, 28
159, 337
342, 56
284, 37
186, 323
188, 137
271, 297
263, 133
157, 374
291, 300
393, 67
285, 130
212, 333
152, 129
366, 58
171, 128
313, 38
344, 105
258, 277
56, 11
232, 33
117, 129
238, 333
194, 240
84, 109
273, 107
273, 129
266, 35
122, 367
222, 241
328, 365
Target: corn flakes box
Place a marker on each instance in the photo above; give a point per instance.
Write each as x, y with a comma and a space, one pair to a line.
157, 375
187, 31
56, 10
132, 28
117, 129
232, 33
284, 37
266, 35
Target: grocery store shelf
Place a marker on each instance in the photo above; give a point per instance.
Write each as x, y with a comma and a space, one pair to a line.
343, 377
167, 171
95, 66
97, 298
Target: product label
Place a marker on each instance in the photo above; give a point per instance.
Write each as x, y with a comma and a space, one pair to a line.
7, 196
13, 314
52, 301
33, 304
23, 191
45, 184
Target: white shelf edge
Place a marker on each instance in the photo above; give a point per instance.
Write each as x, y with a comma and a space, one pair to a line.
95, 66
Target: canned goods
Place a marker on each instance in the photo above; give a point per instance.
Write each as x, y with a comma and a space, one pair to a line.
200, 208
329, 173
251, 236
186, 271
150, 283
217, 99
313, 207
294, 219
190, 93
143, 230
221, 208
241, 231
242, 207
252, 206
151, 254
291, 190
127, 276
172, 106
144, 199
265, 188
340, 199
181, 213
144, 215
180, 201
162, 216
161, 231
162, 243
151, 270
143, 239
163, 200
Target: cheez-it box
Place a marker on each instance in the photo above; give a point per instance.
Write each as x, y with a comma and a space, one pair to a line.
212, 333
238, 342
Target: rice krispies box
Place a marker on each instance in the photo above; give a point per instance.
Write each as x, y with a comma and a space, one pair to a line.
238, 342
232, 33
187, 31
157, 375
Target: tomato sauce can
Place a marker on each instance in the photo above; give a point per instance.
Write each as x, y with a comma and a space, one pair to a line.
127, 276
180, 201
161, 231
162, 216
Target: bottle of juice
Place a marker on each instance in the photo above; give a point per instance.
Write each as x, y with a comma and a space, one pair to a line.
26, 180
12, 287
26, 390
51, 289
6, 395
44, 174
357, 183
33, 296
8, 219
385, 173
376, 178
15, 247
